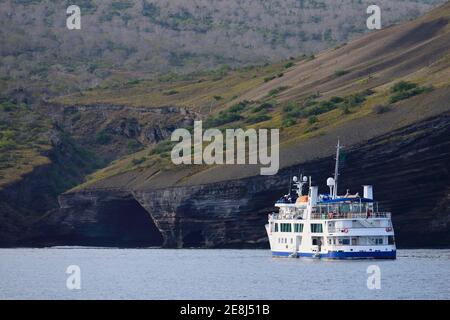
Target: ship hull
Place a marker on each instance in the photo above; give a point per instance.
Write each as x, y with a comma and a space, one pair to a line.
389, 255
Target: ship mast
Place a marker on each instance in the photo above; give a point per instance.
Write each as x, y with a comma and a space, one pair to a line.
336, 171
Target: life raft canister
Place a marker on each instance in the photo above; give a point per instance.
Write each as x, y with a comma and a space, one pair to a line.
302, 199
345, 230
388, 229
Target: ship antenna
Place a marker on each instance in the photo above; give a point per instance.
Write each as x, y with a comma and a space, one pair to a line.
336, 171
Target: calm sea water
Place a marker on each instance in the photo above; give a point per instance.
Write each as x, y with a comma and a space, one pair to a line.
216, 274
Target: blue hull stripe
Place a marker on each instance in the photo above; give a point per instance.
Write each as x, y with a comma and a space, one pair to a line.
342, 255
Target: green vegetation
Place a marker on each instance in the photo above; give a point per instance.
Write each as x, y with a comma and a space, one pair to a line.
266, 106
336, 99
121, 5
313, 108
7, 106
270, 78
103, 137
312, 120
224, 117
239, 107
340, 73
257, 118
138, 161
278, 90
163, 148
404, 90
150, 10
6, 140
289, 65
133, 146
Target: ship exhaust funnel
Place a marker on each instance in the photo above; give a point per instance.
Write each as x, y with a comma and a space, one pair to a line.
368, 192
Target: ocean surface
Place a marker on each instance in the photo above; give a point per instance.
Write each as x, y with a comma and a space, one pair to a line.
216, 274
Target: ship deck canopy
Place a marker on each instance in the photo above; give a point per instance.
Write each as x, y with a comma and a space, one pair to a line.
345, 200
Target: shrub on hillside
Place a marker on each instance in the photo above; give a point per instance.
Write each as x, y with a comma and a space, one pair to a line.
312, 120
403, 86
278, 90
102, 137
340, 73
263, 106
7, 106
288, 65
288, 122
402, 95
379, 109
258, 118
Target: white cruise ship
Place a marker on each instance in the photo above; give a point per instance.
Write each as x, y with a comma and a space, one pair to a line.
329, 226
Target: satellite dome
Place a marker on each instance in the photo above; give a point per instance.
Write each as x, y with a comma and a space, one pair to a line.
330, 182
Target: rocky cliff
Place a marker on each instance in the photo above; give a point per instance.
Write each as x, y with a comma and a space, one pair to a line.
409, 169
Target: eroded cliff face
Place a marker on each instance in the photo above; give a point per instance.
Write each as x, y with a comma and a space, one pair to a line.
409, 168
104, 218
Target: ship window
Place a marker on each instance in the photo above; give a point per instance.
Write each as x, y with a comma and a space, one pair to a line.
276, 227
316, 228
346, 241
378, 240
391, 240
285, 227
298, 227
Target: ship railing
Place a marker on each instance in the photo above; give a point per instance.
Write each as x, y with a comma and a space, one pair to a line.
350, 215
346, 230
367, 245
347, 207
277, 216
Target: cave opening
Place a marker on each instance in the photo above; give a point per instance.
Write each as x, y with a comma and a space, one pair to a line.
125, 223
193, 239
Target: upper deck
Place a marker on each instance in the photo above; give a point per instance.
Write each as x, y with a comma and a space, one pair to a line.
355, 208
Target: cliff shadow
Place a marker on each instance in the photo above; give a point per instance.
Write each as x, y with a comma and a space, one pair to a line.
100, 220
125, 223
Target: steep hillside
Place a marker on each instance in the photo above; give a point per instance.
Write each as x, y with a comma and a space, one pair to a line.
123, 40
385, 95
373, 85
